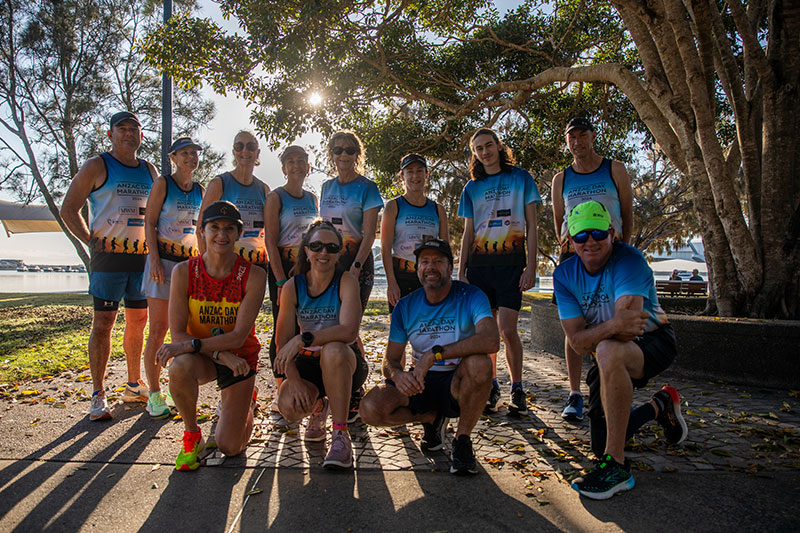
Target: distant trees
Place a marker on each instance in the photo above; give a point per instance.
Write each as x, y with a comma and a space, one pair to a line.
715, 82
64, 68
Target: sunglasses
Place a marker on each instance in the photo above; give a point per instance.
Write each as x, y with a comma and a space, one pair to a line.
331, 247
597, 234
251, 146
351, 150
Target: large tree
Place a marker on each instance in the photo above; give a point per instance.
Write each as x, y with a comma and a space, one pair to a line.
715, 82
64, 67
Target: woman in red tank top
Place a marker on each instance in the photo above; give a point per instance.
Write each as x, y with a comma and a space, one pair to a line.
213, 304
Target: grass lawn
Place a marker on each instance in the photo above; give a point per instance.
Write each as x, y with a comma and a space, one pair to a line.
44, 334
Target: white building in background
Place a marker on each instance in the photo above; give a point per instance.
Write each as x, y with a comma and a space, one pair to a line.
693, 251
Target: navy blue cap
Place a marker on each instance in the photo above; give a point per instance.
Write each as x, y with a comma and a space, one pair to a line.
579, 123
116, 118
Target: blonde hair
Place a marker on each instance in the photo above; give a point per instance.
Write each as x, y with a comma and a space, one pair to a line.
251, 134
353, 138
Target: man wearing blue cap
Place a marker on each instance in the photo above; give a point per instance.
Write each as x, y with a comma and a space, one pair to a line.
116, 184
608, 307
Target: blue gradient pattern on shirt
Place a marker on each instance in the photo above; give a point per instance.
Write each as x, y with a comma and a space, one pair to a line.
598, 186
249, 199
295, 217
412, 227
343, 205
592, 296
496, 206
177, 221
425, 325
317, 312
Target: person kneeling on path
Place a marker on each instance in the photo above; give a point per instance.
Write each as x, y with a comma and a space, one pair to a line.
323, 365
607, 304
452, 332
213, 303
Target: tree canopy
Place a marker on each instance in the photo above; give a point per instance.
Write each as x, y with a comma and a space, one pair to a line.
713, 83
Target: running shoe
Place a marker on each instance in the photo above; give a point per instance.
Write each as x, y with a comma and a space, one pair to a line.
340, 454
519, 402
139, 393
462, 457
355, 402
157, 406
669, 417
98, 409
606, 479
494, 399
574, 408
191, 447
433, 438
315, 430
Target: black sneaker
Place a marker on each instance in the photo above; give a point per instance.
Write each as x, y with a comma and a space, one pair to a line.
573, 410
608, 478
462, 457
433, 439
355, 402
519, 402
669, 416
494, 399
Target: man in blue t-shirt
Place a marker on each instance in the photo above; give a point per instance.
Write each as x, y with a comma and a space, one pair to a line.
608, 307
451, 330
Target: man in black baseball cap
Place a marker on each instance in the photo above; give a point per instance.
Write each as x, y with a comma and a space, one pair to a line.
222, 209
580, 123
118, 118
450, 327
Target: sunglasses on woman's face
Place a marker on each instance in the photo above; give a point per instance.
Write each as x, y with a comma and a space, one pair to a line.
251, 146
331, 247
597, 234
351, 150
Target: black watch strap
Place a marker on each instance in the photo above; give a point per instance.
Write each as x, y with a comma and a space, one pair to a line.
196, 345
307, 338
357, 264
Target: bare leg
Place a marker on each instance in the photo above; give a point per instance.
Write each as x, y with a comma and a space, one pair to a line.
235, 423
618, 362
100, 346
471, 386
132, 341
186, 373
507, 323
338, 363
574, 366
159, 325
291, 389
384, 405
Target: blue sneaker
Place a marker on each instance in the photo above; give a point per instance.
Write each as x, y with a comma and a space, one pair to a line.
574, 408
608, 478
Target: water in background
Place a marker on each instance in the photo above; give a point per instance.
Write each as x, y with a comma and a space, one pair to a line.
13, 281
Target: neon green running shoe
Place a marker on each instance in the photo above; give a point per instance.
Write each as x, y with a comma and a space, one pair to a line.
157, 406
192, 445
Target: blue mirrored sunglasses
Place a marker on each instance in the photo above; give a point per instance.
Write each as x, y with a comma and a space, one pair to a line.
597, 234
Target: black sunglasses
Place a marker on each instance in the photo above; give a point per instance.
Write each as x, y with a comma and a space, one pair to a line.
597, 234
252, 146
351, 150
317, 246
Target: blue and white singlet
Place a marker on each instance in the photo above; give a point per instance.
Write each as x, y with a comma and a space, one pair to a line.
295, 216
177, 222
598, 186
249, 199
413, 226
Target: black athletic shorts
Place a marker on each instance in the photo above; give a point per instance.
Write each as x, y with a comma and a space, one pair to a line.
225, 377
311, 370
499, 283
408, 282
436, 396
659, 348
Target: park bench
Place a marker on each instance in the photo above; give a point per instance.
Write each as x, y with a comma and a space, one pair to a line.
671, 287
694, 288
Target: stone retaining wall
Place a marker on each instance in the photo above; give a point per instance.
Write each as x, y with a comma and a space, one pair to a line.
749, 352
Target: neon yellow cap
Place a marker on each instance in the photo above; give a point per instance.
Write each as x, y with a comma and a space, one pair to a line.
588, 215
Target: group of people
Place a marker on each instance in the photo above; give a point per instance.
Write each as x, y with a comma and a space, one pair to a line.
202, 260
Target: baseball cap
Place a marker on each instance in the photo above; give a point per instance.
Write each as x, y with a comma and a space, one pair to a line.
222, 209
293, 149
578, 123
183, 142
588, 215
413, 158
435, 244
116, 118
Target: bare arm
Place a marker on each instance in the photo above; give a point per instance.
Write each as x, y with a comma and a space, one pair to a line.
272, 225
346, 330
557, 195
91, 175
528, 277
628, 323
393, 368
152, 212
387, 241
620, 176
466, 245
486, 340
213, 194
444, 231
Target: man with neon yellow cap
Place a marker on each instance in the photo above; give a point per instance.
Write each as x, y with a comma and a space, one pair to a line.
608, 307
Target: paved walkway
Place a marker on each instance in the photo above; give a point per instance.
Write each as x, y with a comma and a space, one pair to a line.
732, 430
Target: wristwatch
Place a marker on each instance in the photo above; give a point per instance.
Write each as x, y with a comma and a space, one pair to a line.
357, 264
307, 338
438, 350
196, 344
